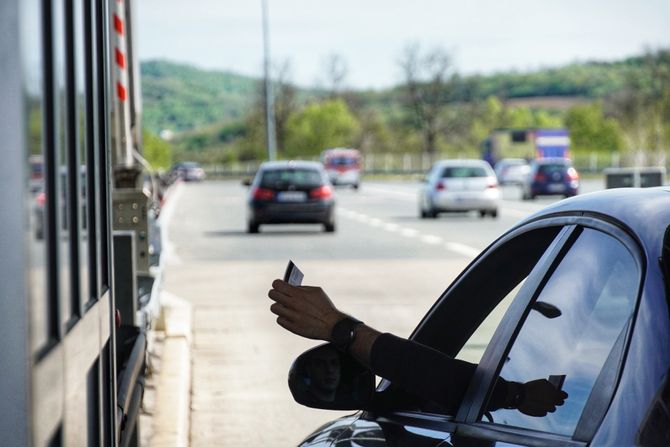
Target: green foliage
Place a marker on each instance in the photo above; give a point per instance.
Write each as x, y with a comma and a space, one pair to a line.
319, 126
590, 130
181, 97
156, 151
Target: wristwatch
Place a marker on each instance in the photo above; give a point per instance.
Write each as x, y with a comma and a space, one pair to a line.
343, 333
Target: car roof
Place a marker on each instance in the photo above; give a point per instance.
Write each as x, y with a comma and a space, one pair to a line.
290, 164
552, 160
462, 162
341, 151
645, 211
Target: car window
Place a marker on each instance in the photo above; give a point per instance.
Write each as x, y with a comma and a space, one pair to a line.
297, 177
474, 348
550, 169
342, 161
572, 327
464, 172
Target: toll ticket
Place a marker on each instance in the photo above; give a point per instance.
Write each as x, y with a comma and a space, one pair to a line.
293, 274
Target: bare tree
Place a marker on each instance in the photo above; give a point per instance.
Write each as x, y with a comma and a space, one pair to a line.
286, 102
427, 79
335, 72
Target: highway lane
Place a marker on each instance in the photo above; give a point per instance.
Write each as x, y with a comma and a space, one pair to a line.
384, 265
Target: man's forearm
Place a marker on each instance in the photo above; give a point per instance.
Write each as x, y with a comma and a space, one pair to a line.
361, 347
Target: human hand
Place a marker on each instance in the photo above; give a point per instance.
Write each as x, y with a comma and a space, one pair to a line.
540, 397
304, 310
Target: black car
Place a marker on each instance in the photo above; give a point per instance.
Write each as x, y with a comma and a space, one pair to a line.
586, 281
289, 192
551, 176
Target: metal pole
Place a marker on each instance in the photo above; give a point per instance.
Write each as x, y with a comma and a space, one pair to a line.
270, 136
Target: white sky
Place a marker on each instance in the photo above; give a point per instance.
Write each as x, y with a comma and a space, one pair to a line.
484, 36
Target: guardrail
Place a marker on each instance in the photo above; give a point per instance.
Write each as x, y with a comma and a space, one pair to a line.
634, 177
417, 164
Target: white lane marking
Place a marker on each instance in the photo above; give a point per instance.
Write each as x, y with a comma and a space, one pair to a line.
391, 192
409, 232
507, 211
463, 249
391, 227
430, 239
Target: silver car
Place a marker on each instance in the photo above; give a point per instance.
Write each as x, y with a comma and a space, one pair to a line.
459, 185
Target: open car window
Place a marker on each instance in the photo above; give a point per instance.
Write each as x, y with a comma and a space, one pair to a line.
572, 326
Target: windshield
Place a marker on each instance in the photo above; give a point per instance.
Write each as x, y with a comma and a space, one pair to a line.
278, 178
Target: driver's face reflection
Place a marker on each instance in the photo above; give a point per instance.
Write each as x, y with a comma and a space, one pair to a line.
324, 370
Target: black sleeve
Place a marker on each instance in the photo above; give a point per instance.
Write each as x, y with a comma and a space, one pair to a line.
421, 370
429, 374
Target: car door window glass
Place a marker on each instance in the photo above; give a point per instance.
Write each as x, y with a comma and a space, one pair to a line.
572, 327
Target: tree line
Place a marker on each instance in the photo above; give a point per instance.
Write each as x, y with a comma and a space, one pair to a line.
622, 106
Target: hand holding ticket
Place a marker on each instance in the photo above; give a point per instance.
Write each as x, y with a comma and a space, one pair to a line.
293, 274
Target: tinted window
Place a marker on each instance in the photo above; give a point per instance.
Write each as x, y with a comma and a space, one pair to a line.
278, 178
550, 169
590, 296
464, 172
342, 161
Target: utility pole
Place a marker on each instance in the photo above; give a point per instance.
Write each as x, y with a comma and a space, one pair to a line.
270, 137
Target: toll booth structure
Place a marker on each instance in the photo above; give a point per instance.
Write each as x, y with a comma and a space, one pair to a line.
73, 347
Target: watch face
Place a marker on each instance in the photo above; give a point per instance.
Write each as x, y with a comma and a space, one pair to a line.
343, 333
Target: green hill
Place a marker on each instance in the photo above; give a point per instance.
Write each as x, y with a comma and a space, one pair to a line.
181, 97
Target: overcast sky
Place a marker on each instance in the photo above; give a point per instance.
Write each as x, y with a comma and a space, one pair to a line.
483, 36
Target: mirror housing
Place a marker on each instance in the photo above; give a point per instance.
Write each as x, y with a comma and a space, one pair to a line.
325, 378
246, 181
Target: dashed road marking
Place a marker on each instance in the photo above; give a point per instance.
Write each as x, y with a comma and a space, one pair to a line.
430, 239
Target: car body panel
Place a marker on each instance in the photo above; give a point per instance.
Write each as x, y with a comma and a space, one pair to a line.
291, 203
549, 176
343, 166
444, 194
637, 368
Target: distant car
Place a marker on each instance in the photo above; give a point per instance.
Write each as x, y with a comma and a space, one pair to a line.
189, 171
512, 171
343, 166
585, 284
291, 192
551, 176
36, 163
459, 185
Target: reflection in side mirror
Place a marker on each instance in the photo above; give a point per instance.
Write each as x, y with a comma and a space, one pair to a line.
546, 309
326, 378
246, 182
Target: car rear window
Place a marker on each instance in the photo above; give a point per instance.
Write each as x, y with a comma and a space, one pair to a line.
464, 172
341, 161
297, 177
550, 169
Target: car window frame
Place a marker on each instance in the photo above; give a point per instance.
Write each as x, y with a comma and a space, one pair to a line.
604, 388
464, 424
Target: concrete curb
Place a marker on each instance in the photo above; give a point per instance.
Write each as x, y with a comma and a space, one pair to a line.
172, 418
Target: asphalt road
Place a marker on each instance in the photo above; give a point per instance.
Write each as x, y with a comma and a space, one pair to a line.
384, 265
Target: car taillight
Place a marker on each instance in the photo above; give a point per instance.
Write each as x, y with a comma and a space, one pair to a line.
539, 177
491, 182
440, 186
572, 174
41, 199
322, 192
263, 194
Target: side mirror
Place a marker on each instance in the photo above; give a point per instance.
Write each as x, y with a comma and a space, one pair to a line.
326, 378
246, 182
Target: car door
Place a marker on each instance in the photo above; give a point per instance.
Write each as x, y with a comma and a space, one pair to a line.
588, 272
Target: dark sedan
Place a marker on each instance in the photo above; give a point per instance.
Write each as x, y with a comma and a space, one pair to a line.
551, 176
586, 285
289, 192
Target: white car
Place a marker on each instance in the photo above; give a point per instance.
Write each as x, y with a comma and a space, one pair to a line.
512, 171
460, 185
